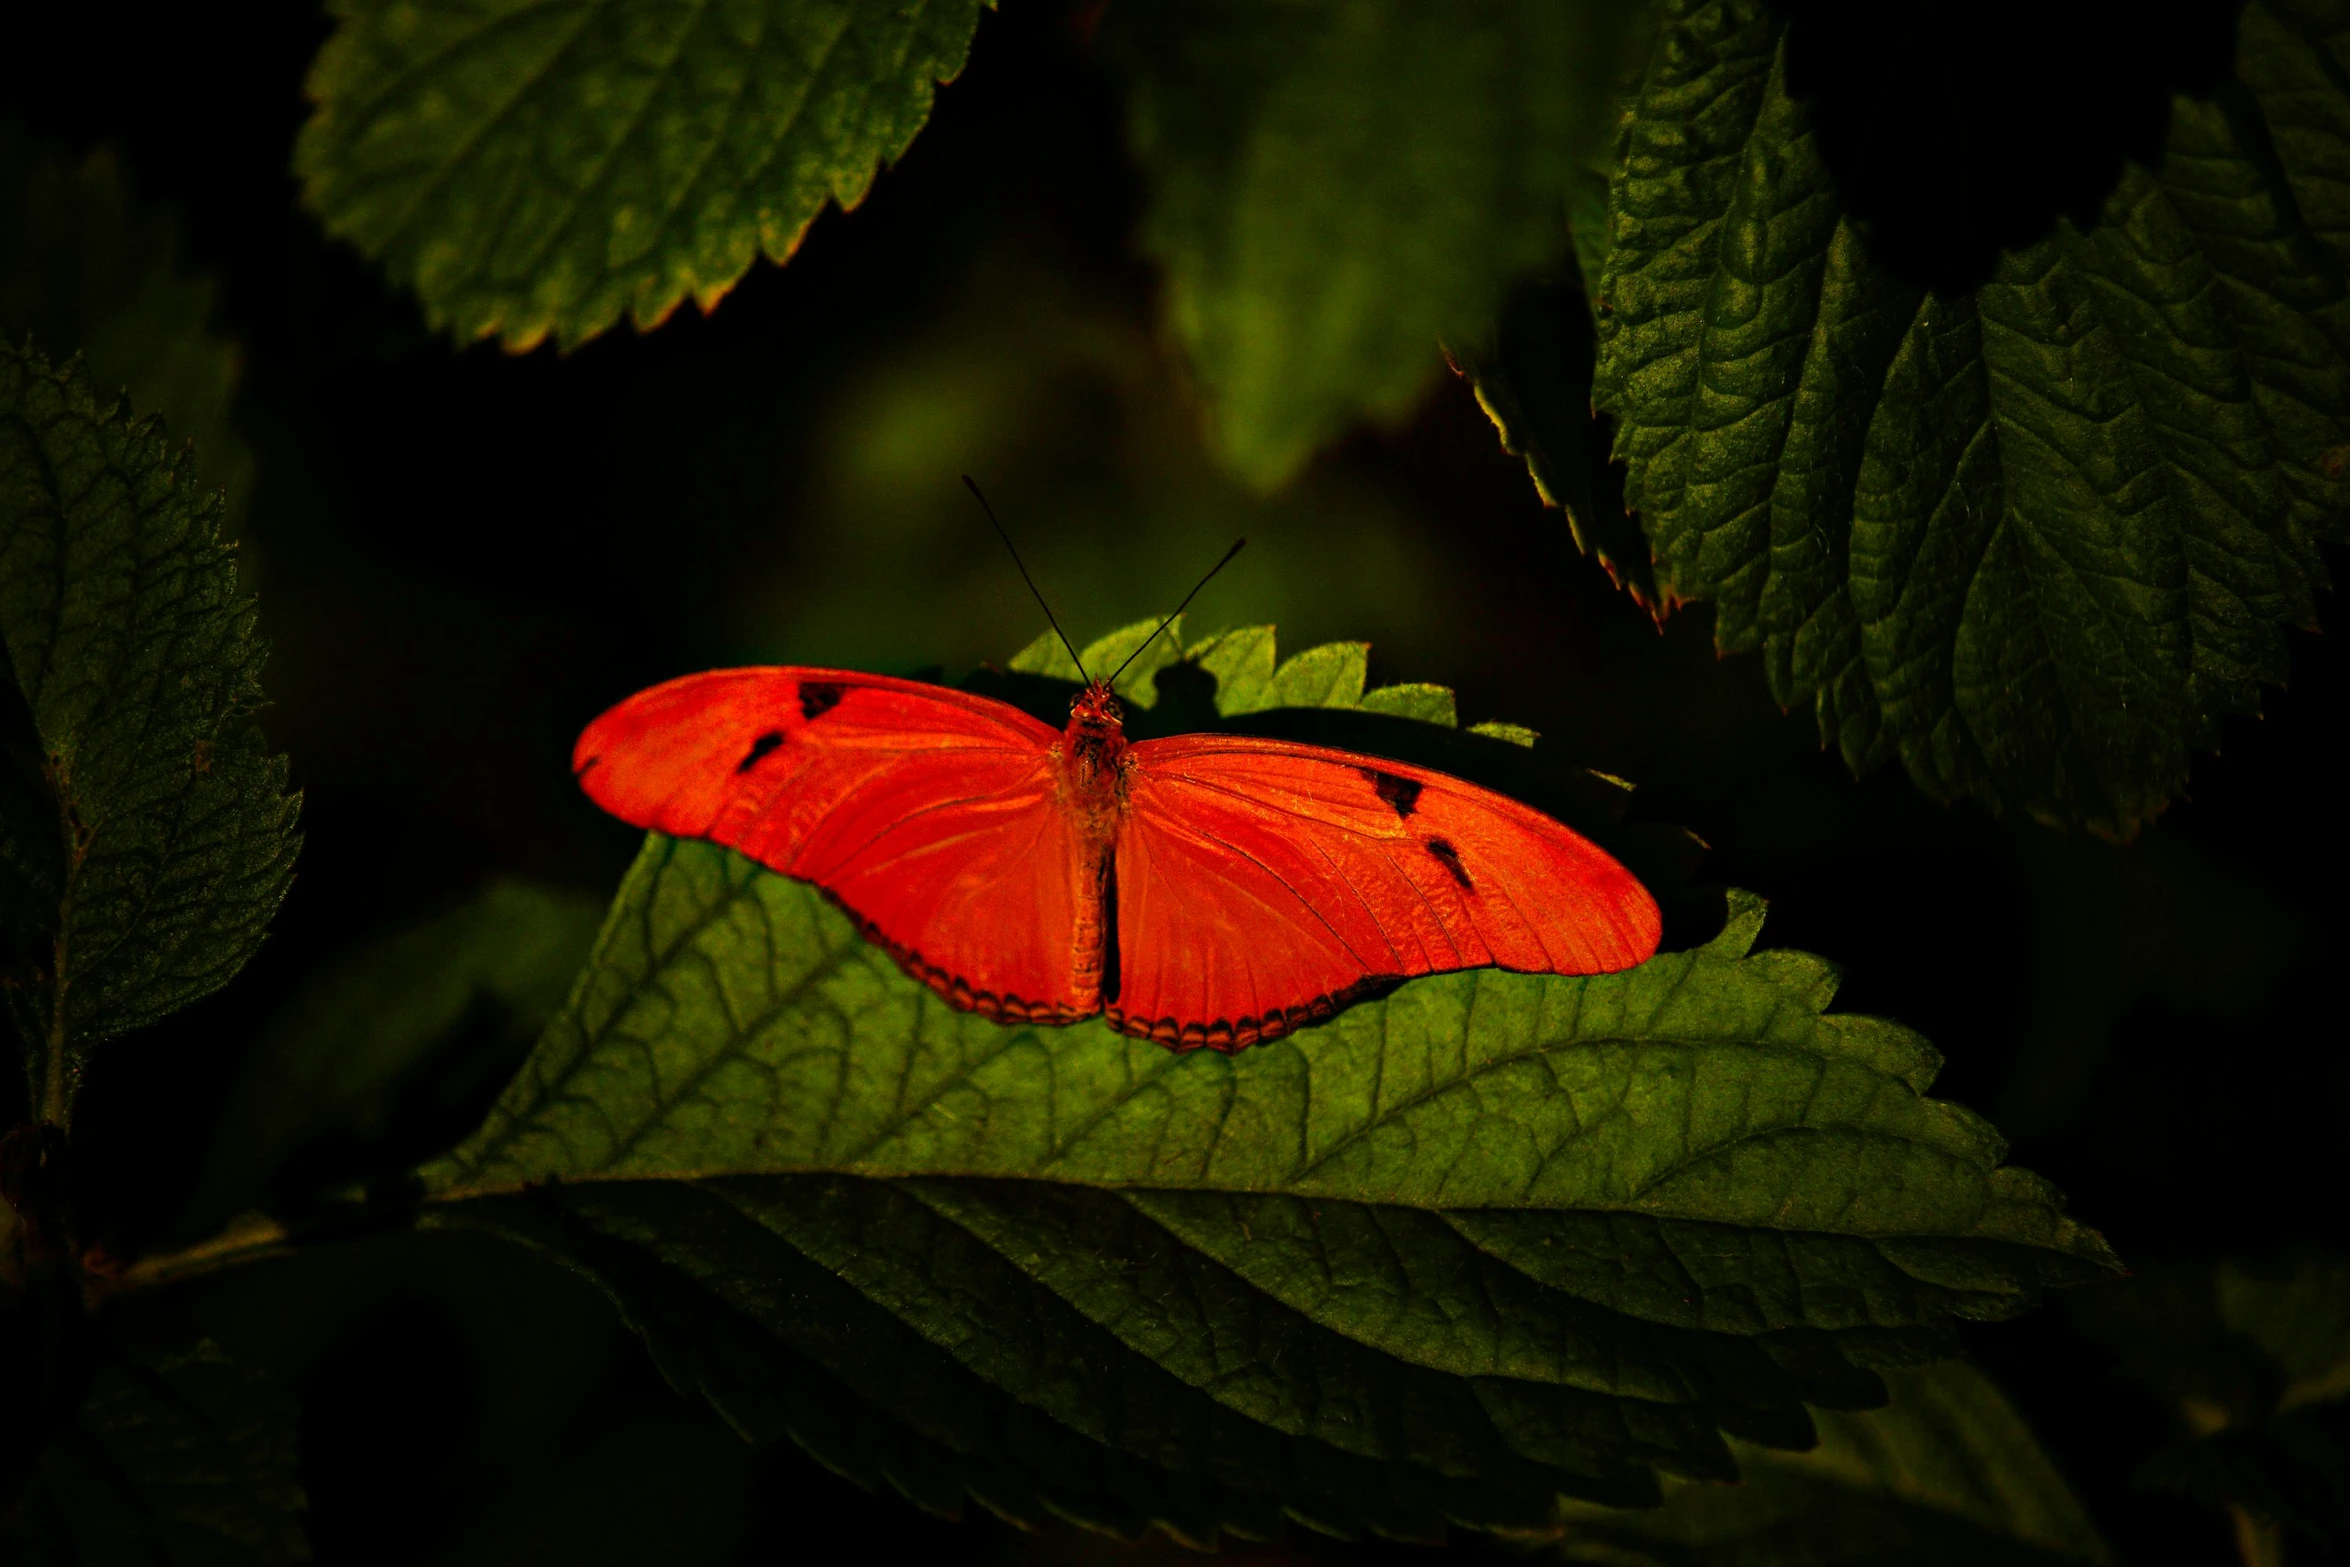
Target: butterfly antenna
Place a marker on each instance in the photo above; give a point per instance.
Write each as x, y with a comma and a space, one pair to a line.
1237, 545
973, 486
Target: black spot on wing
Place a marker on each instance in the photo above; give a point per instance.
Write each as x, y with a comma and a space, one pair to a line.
818, 697
759, 749
1402, 793
1450, 858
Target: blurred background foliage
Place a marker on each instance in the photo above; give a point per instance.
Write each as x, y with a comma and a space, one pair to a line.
465, 555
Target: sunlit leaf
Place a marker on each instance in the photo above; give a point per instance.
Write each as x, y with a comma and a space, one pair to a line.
537, 170
1493, 1238
1134, 653
137, 659
2033, 540
1574, 1226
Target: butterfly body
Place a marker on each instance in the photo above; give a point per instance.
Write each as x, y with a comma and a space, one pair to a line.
1091, 760
1196, 890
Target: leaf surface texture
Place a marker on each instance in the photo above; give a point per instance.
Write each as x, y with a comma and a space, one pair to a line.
160, 838
537, 169
2033, 540
1491, 1239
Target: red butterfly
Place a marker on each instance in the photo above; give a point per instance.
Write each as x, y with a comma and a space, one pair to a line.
1197, 890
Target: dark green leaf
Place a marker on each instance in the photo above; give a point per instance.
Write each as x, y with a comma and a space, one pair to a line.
2299, 1318
2292, 1473
84, 271
482, 979
32, 850
2033, 540
185, 1462
137, 657
1493, 1238
537, 170
1946, 1473
2233, 1342
1335, 187
2255, 1357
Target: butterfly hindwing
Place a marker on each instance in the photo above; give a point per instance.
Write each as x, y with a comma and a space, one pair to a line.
1262, 884
928, 813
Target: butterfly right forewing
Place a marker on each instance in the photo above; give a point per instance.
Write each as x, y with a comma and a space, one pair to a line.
1264, 884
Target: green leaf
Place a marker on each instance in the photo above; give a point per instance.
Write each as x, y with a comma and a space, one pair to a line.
1429, 704
1948, 1472
138, 660
84, 270
2033, 540
189, 1459
1327, 676
1242, 663
537, 170
1337, 185
1515, 734
481, 980
1249, 678
1493, 1238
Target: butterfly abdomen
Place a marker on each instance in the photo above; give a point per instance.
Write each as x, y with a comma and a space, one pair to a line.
1094, 955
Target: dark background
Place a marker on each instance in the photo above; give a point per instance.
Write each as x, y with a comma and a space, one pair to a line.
463, 555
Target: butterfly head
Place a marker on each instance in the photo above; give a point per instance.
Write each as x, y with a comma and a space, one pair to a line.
1096, 710
1095, 746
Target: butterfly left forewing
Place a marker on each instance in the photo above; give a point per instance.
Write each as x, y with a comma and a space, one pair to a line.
1262, 884
929, 814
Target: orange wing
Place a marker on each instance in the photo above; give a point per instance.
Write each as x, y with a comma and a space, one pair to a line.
1262, 885
928, 814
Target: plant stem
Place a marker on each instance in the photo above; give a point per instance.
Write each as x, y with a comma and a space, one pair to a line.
56, 1107
248, 1240
253, 1238
56, 1104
